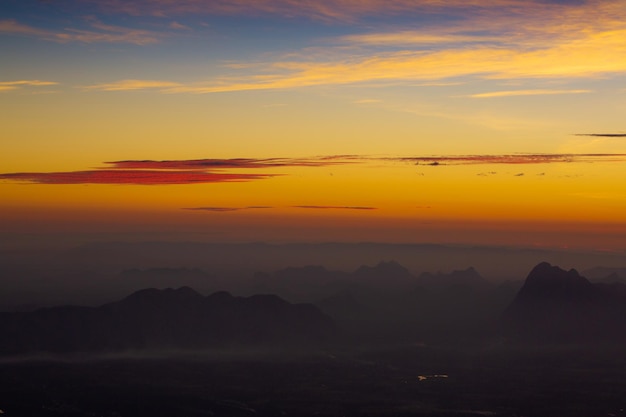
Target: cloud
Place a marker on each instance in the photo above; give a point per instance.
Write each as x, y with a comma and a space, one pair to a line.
178, 26
235, 163
36, 83
194, 171
411, 38
326, 10
14, 85
526, 93
516, 39
218, 209
329, 11
11, 26
102, 33
226, 209
603, 135
515, 159
131, 85
134, 177
591, 56
199, 171
336, 207
229, 209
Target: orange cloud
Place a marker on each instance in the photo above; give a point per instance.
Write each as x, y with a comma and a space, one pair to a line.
591, 55
130, 85
14, 85
512, 93
517, 39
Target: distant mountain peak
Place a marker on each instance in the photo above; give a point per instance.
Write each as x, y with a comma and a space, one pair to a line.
383, 267
555, 305
384, 273
462, 277
154, 293
545, 277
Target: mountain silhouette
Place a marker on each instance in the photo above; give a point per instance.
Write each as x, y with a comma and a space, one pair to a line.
385, 273
606, 274
558, 306
170, 318
460, 279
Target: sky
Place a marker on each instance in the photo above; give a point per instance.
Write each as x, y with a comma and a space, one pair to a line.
462, 122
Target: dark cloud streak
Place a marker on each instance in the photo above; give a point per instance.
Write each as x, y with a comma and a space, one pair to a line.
513, 159
336, 207
223, 209
139, 177
603, 135
202, 164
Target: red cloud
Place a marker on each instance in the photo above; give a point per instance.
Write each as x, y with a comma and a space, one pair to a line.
202, 164
138, 177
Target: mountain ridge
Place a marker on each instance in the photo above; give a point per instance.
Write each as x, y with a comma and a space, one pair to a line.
170, 318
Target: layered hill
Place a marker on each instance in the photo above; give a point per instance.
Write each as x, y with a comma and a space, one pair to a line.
165, 319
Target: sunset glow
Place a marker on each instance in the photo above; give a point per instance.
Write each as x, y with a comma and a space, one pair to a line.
463, 122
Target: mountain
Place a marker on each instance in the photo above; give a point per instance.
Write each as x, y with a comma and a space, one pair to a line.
459, 279
558, 306
309, 282
135, 279
165, 319
606, 274
384, 274
600, 272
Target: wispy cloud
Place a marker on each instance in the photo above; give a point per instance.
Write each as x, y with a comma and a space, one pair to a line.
134, 177
404, 38
591, 56
194, 171
14, 85
535, 39
226, 209
366, 101
603, 135
200, 171
336, 207
325, 10
178, 26
511, 93
131, 85
236, 163
515, 159
98, 32
36, 83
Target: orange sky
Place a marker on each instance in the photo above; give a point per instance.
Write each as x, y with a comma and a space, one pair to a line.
462, 122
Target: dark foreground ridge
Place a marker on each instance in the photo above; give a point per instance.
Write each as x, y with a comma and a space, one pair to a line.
165, 319
558, 306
